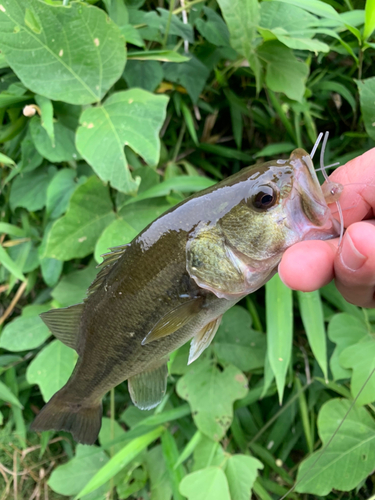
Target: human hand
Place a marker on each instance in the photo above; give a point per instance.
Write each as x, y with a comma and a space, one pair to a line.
309, 265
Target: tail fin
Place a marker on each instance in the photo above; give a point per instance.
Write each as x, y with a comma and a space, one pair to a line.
83, 422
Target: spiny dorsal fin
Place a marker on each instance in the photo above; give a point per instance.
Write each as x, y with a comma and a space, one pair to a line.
203, 339
148, 388
109, 260
64, 324
173, 320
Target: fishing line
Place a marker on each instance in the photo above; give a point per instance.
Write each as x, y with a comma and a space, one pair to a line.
341, 217
331, 438
315, 147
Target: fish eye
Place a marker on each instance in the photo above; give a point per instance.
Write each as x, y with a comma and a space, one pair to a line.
265, 198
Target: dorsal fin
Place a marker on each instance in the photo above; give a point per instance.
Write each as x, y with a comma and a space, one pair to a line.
64, 324
109, 260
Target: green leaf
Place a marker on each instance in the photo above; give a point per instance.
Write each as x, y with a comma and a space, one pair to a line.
51, 368
72, 287
63, 149
276, 149
30, 190
46, 109
155, 463
132, 35
59, 64
68, 479
242, 18
59, 192
236, 343
140, 214
211, 394
89, 213
170, 452
12, 230
207, 453
144, 74
361, 359
105, 435
285, 73
132, 117
345, 330
339, 89
9, 264
206, 484
366, 89
120, 460
183, 183
317, 8
311, 309
191, 74
7, 395
158, 55
214, 30
369, 19
24, 333
279, 314
241, 472
349, 458
119, 232
5, 160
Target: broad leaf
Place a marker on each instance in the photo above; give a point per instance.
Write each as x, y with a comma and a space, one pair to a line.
242, 18
241, 472
348, 459
211, 394
62, 150
236, 343
369, 19
366, 90
285, 73
206, 484
119, 232
89, 213
279, 314
214, 29
59, 192
191, 74
144, 74
108, 432
46, 109
73, 286
155, 463
133, 118
345, 330
77, 64
8, 263
361, 359
51, 368
24, 333
30, 190
68, 479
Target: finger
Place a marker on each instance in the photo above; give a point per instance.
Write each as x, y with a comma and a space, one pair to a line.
308, 265
358, 178
354, 266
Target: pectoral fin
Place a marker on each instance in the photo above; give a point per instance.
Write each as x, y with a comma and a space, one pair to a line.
148, 388
174, 319
203, 339
64, 324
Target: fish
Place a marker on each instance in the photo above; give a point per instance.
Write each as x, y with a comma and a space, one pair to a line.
173, 283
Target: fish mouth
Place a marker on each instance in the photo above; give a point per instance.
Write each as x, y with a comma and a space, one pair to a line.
308, 212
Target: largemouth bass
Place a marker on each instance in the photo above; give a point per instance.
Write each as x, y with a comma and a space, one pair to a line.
173, 283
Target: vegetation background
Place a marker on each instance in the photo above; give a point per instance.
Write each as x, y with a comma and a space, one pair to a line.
112, 111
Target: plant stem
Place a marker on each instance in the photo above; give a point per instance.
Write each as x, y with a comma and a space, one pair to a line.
187, 6
168, 26
179, 142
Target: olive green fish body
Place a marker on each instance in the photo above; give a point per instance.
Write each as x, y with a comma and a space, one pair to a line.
174, 281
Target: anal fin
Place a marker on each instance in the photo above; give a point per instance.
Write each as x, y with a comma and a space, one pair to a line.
203, 339
148, 388
64, 324
174, 319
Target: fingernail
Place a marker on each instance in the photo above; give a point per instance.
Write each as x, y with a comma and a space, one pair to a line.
350, 257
